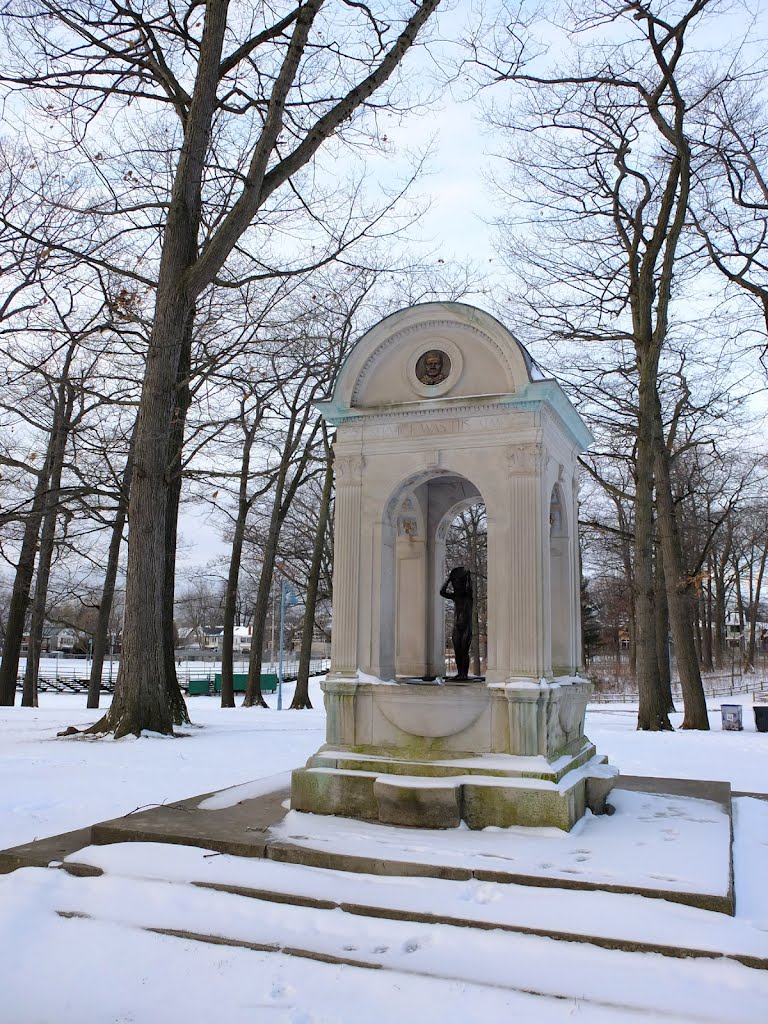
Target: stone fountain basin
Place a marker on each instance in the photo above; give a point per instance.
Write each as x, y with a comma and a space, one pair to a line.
433, 711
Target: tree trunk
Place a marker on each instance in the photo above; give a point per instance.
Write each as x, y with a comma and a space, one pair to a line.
721, 565
706, 618
282, 501
652, 709
754, 608
141, 691
45, 556
235, 558
62, 425
101, 636
679, 591
147, 694
629, 576
174, 696
662, 633
22, 584
253, 694
301, 694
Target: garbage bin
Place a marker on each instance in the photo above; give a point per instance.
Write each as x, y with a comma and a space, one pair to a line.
731, 717
761, 717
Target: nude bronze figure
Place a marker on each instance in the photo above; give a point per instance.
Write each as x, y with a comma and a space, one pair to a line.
458, 588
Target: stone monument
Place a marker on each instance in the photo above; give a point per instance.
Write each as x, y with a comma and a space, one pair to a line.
438, 407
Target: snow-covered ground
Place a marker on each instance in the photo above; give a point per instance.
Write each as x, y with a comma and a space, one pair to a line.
105, 968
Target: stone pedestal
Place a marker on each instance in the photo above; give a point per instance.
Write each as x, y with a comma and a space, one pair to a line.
499, 754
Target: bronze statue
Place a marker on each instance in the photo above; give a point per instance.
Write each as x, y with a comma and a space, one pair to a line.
433, 367
458, 588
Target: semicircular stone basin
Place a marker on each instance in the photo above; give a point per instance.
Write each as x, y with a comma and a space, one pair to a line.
431, 711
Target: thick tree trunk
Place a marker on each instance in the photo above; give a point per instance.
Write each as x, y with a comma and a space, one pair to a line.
142, 690
147, 694
680, 596
301, 694
662, 633
174, 696
652, 710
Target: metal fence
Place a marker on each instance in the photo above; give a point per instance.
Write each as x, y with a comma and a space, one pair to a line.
64, 675
714, 686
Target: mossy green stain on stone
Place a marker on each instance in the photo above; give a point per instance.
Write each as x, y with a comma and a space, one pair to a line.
506, 806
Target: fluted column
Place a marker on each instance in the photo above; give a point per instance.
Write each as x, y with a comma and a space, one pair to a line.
527, 605
346, 570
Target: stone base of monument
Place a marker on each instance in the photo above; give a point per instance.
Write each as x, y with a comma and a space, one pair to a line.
431, 756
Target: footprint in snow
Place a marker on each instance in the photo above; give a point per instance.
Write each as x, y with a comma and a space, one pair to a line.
280, 990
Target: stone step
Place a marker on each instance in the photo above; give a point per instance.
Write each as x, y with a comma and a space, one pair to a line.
243, 829
465, 953
420, 917
602, 919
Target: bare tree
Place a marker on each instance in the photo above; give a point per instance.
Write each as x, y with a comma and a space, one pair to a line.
603, 177
255, 98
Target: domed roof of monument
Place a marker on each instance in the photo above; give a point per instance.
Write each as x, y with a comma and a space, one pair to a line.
446, 350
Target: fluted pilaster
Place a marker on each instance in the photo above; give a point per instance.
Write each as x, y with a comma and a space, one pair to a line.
527, 606
346, 572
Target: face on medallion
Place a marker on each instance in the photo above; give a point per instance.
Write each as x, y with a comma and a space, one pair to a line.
433, 367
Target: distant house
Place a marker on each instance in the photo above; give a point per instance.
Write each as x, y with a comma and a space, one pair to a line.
734, 634
188, 636
241, 639
321, 641
55, 638
211, 638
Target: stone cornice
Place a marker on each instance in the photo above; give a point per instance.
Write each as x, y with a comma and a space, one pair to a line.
536, 397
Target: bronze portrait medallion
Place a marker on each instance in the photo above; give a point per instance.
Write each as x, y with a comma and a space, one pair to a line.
433, 367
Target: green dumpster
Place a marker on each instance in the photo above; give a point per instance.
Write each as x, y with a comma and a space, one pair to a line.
268, 682
199, 688
240, 682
